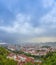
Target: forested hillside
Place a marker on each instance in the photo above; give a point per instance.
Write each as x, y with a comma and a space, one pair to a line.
3, 57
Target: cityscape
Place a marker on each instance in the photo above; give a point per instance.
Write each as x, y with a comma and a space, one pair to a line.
27, 32
28, 54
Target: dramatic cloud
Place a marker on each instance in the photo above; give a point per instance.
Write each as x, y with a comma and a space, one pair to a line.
21, 20
22, 26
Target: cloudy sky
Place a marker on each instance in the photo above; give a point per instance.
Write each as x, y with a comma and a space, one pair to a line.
27, 21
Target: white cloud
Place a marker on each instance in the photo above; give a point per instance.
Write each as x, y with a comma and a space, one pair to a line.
48, 3
21, 25
3, 43
49, 20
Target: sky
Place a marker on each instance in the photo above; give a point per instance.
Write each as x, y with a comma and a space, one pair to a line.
27, 21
